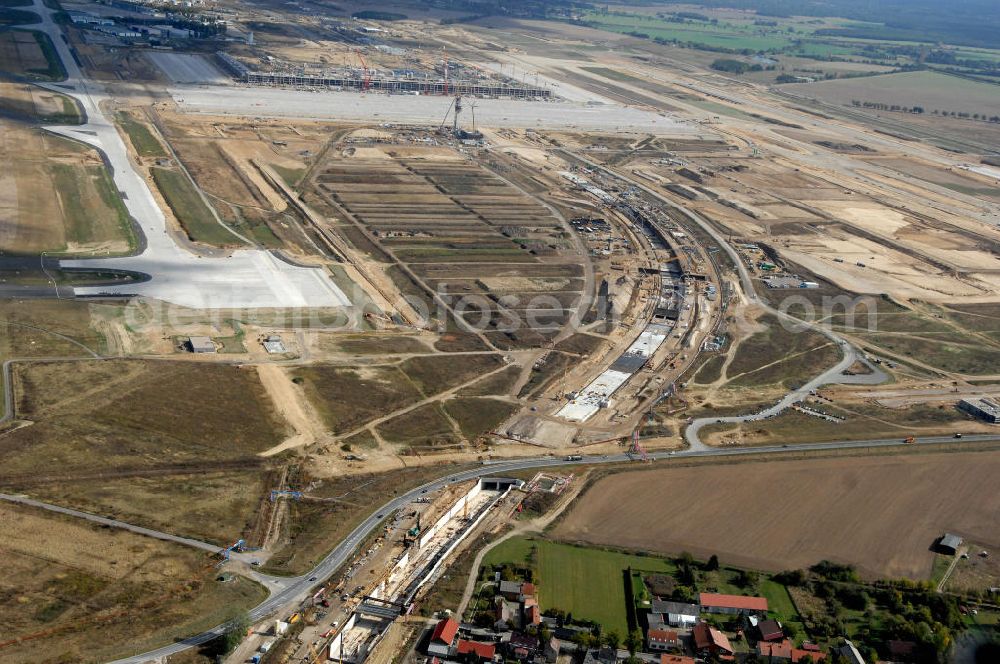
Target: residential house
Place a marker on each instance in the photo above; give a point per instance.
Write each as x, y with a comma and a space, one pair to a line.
603, 655
660, 640
551, 649
656, 621
522, 647
676, 659
511, 590
482, 651
850, 653
770, 630
784, 651
732, 604
677, 614
710, 641
443, 638
903, 651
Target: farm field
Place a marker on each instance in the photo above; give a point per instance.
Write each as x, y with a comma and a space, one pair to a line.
930, 90
99, 594
794, 513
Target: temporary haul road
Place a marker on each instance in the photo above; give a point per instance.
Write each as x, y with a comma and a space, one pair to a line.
244, 279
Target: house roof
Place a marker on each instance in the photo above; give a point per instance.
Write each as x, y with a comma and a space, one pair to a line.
510, 586
676, 659
445, 631
770, 630
785, 650
733, 602
482, 650
662, 635
781, 649
951, 541
660, 606
706, 636
527, 589
534, 615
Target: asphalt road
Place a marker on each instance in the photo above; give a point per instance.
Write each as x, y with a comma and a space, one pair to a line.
298, 588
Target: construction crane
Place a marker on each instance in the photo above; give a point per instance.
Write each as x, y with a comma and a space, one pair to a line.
456, 105
366, 79
238, 546
636, 449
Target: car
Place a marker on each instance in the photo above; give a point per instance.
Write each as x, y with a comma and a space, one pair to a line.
958, 435
379, 516
312, 578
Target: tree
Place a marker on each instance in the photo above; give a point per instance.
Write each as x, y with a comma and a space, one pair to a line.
583, 640
712, 564
633, 642
613, 639
236, 631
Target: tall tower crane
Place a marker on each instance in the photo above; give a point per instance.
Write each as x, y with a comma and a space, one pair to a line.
366, 79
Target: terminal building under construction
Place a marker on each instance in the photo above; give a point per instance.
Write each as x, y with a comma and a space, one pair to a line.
380, 83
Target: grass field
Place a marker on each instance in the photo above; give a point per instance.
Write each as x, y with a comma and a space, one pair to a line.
791, 514
347, 398
142, 139
423, 427
189, 208
93, 211
861, 421
560, 568
98, 594
107, 436
477, 416
780, 356
318, 526
725, 36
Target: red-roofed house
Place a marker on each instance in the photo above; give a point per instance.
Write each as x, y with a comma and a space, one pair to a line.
443, 638
676, 659
708, 640
732, 604
784, 651
484, 651
527, 589
770, 630
659, 640
533, 615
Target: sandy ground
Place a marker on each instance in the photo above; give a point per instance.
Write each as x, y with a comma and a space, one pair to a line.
880, 513
292, 405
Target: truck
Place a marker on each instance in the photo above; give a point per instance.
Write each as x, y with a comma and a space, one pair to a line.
574, 457
909, 439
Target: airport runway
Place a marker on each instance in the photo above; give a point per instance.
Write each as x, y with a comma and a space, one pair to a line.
247, 278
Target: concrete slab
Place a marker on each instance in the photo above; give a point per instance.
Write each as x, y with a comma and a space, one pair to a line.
422, 110
247, 278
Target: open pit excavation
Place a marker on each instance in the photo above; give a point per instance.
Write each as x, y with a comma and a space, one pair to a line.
243, 279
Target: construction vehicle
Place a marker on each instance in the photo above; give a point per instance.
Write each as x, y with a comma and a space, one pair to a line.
909, 439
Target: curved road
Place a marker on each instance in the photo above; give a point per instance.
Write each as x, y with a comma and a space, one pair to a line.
298, 588
834, 374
